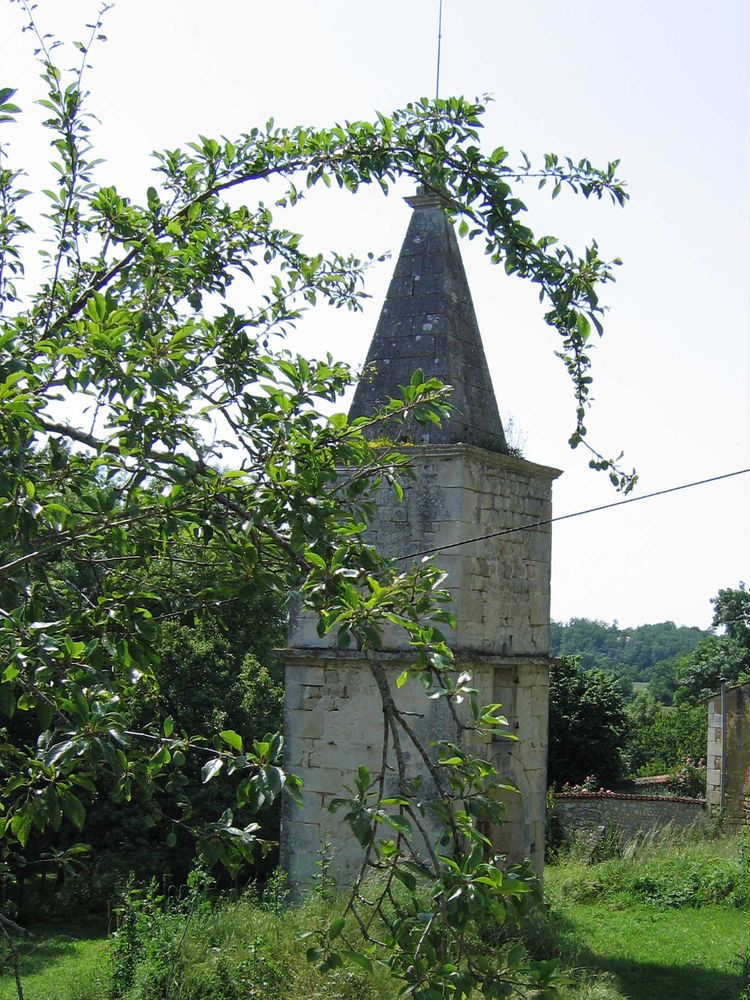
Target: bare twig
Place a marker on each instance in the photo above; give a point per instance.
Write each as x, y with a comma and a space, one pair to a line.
6, 925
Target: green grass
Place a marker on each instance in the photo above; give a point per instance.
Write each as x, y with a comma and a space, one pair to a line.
666, 920
243, 951
59, 964
685, 954
685, 871
236, 951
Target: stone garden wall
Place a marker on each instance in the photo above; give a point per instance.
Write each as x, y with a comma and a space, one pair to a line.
588, 812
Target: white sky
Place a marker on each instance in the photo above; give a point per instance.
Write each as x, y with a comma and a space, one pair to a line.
662, 85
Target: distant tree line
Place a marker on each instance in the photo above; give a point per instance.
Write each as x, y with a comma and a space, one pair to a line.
631, 653
678, 663
604, 730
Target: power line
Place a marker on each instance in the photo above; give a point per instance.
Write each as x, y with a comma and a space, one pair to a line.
565, 517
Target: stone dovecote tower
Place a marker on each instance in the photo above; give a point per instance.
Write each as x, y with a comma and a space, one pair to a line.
465, 485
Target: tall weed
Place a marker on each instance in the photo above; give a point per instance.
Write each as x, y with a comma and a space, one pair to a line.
196, 947
678, 871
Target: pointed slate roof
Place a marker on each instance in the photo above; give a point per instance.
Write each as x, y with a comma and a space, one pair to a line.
428, 322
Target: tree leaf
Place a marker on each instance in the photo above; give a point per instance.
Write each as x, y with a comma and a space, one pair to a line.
73, 809
233, 739
211, 768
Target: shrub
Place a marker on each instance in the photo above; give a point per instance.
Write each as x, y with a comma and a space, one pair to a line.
688, 778
679, 872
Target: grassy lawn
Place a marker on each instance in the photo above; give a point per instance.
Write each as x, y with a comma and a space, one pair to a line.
665, 922
60, 964
681, 954
638, 953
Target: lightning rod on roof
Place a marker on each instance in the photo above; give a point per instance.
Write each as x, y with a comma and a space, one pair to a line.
440, 38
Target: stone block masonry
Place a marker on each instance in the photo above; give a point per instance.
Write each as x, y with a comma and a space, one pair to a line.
588, 814
729, 749
500, 585
500, 596
340, 728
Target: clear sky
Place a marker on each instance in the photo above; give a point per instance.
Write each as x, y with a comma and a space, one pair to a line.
661, 85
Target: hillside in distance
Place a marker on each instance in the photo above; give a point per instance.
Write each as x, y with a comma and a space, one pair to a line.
630, 653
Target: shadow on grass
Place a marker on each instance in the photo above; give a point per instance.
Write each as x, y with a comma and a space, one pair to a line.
647, 980
46, 945
556, 936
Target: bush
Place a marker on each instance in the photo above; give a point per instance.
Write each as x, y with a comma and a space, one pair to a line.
678, 872
689, 778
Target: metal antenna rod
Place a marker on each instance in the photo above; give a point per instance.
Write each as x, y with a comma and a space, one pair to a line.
440, 38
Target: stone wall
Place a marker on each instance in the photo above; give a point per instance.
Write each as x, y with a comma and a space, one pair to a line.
736, 751
589, 812
500, 586
500, 596
714, 756
522, 688
334, 723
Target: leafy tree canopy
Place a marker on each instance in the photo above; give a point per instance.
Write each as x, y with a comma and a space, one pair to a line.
719, 658
630, 652
588, 725
716, 659
732, 613
661, 738
150, 422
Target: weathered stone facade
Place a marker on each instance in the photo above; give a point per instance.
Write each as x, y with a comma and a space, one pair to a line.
500, 586
334, 724
500, 591
590, 814
729, 750
465, 485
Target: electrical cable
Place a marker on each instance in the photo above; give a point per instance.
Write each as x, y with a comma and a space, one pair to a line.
565, 517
